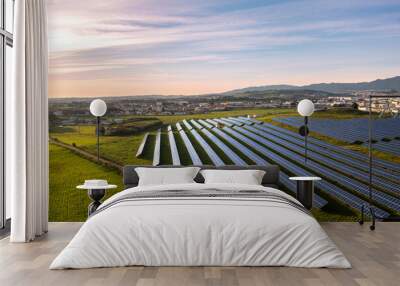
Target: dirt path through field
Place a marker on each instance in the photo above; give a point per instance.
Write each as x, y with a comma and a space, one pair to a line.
87, 155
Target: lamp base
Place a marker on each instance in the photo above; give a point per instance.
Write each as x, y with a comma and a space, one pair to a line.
374, 217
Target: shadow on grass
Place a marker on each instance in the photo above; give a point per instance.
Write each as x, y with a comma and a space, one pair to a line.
149, 148
183, 152
165, 156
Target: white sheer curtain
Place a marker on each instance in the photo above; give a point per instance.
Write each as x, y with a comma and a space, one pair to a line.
27, 124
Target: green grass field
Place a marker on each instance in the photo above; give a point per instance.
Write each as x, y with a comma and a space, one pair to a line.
121, 149
67, 170
171, 119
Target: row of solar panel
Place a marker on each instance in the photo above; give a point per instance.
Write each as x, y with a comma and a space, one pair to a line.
388, 166
293, 168
174, 150
392, 147
347, 169
142, 145
350, 130
328, 173
340, 157
290, 185
260, 148
385, 199
284, 178
188, 144
381, 167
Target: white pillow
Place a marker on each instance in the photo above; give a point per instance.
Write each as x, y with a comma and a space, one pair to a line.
247, 177
166, 176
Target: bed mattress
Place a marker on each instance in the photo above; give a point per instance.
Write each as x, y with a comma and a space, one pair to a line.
201, 225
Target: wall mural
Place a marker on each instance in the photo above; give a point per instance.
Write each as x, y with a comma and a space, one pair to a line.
218, 83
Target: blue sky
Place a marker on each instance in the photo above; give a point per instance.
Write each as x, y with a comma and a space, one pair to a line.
125, 47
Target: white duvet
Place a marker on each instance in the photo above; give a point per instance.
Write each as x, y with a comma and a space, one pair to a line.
194, 231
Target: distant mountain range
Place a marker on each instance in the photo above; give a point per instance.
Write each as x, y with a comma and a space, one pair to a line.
392, 83
317, 88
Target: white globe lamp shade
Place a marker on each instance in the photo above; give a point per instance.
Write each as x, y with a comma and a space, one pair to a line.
305, 107
98, 107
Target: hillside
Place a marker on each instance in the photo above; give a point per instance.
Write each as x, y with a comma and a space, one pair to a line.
378, 85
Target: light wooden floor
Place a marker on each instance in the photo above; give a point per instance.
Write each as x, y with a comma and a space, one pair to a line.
375, 257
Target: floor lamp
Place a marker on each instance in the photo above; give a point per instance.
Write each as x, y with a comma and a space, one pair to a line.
98, 108
305, 108
373, 215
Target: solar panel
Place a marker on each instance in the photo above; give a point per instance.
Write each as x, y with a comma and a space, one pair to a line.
212, 122
189, 147
142, 145
195, 124
324, 186
206, 124
342, 158
252, 120
178, 126
379, 163
283, 177
240, 120
174, 150
385, 166
223, 122
233, 122
228, 151
217, 161
246, 151
328, 173
350, 130
392, 147
333, 164
188, 126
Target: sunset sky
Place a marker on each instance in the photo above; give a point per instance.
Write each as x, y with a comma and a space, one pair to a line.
129, 47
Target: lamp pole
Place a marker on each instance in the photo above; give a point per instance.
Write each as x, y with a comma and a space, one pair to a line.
305, 138
98, 108
305, 108
98, 138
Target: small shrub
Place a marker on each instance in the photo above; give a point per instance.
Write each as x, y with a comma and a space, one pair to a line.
358, 142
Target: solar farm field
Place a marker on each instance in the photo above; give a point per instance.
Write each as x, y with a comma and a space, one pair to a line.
385, 131
246, 141
230, 138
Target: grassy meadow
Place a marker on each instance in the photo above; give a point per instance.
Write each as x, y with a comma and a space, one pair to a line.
121, 149
67, 170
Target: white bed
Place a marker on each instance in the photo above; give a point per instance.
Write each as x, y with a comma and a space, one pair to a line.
202, 231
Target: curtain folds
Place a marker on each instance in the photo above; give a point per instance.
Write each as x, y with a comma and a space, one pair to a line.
27, 151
